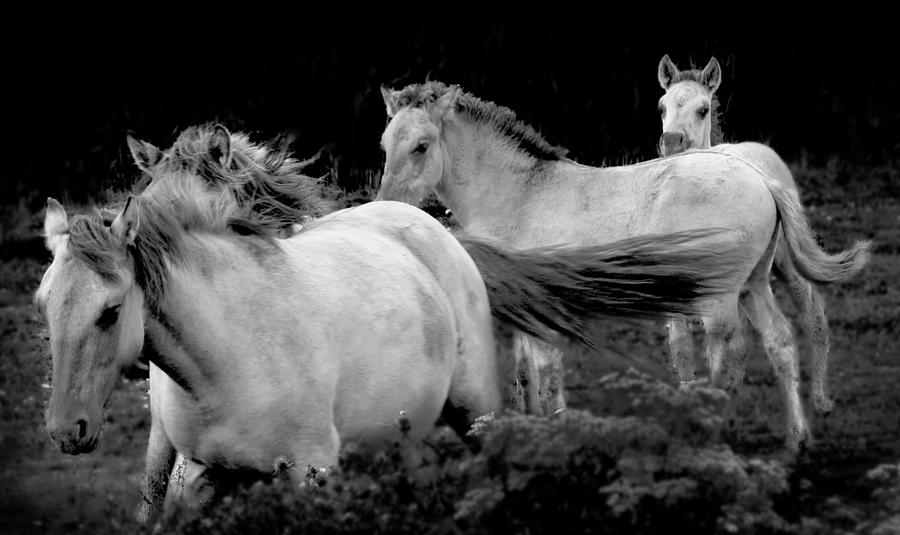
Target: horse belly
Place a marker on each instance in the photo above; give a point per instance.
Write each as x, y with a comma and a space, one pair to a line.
377, 418
225, 437
368, 411
401, 359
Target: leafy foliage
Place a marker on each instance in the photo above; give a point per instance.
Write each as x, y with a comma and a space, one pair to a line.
652, 463
879, 516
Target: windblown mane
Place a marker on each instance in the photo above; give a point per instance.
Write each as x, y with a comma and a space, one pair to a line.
268, 185
160, 239
715, 130
500, 118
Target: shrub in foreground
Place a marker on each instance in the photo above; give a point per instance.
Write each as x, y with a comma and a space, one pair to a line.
877, 515
651, 464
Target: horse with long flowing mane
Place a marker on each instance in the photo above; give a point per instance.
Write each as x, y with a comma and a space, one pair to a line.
268, 349
691, 120
503, 180
266, 185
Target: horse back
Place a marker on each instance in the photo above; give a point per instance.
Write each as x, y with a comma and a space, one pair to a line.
691, 190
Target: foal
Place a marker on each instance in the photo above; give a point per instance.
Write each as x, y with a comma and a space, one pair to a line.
690, 120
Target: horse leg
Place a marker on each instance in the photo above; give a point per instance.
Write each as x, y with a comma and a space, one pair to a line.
726, 353
811, 305
477, 388
778, 340
191, 484
821, 342
681, 349
545, 375
527, 379
159, 463
511, 373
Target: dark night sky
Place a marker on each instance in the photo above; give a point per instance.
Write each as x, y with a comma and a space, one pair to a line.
73, 93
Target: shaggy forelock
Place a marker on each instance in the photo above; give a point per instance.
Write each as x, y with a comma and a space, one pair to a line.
91, 242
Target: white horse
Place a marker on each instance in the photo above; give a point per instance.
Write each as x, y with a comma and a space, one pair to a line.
276, 351
502, 180
690, 120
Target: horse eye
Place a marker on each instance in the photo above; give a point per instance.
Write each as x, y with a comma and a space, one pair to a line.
421, 148
662, 109
109, 317
703, 111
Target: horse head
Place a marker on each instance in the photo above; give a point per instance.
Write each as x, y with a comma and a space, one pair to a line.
688, 107
413, 143
94, 312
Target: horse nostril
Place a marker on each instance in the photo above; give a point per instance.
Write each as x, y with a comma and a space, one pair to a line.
672, 140
82, 428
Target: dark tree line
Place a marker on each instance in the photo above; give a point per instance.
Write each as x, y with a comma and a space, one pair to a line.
590, 87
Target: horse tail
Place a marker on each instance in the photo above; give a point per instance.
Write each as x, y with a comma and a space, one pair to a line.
563, 288
811, 260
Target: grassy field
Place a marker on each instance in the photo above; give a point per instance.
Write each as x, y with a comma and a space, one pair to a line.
44, 491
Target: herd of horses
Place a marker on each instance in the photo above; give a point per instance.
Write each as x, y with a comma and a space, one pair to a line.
278, 328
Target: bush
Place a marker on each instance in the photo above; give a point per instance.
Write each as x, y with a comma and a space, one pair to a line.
878, 515
651, 464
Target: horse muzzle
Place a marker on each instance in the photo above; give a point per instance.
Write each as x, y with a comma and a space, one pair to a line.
672, 143
74, 436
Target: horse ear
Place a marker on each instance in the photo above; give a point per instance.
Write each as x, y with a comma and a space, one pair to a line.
56, 224
144, 154
390, 101
126, 224
447, 101
666, 72
220, 145
711, 76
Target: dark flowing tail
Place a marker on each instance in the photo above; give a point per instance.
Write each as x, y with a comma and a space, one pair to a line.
563, 288
811, 261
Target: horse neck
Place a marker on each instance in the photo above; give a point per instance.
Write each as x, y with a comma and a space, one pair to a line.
715, 121
189, 330
485, 176
707, 136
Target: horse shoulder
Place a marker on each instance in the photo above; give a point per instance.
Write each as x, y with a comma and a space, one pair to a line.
175, 411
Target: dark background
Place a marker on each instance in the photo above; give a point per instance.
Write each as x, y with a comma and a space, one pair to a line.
825, 95
812, 90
